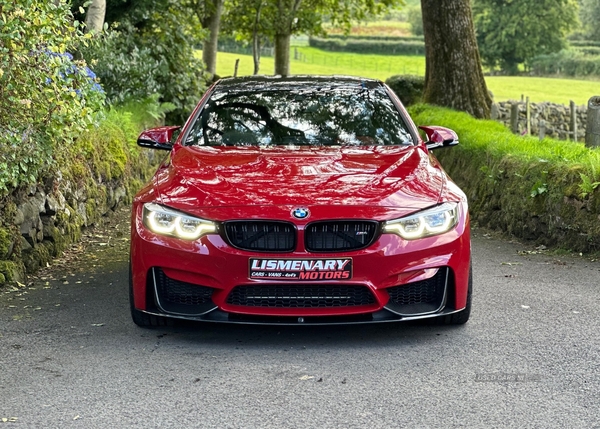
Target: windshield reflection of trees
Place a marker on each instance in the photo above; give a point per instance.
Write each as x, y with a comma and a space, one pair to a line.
340, 116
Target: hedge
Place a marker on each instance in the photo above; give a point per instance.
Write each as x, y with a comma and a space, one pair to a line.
379, 38
365, 46
589, 50
585, 43
409, 88
546, 191
569, 63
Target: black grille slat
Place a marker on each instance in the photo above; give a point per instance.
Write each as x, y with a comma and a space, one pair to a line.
300, 296
419, 297
261, 235
339, 235
181, 297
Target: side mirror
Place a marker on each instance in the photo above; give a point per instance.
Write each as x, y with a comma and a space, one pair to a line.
439, 137
158, 138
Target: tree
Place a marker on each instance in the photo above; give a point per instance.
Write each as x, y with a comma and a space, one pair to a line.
415, 19
590, 17
94, 18
297, 16
453, 74
245, 20
280, 19
150, 50
209, 13
512, 32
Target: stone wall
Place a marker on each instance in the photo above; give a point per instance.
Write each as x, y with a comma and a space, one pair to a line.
38, 222
556, 117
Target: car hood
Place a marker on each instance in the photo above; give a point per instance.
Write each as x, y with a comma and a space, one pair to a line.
209, 177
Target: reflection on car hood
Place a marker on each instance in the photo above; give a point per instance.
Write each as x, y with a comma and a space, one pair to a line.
383, 176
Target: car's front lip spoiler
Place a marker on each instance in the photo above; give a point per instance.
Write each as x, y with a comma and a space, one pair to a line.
381, 316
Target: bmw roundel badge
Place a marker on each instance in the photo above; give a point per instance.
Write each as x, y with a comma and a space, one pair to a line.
301, 213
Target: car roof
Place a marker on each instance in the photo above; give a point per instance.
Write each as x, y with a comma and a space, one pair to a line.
296, 81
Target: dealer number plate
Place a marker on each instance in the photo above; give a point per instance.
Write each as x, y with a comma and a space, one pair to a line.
301, 269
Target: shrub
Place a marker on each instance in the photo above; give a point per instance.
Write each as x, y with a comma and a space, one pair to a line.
589, 50
364, 46
566, 62
584, 43
155, 55
46, 98
377, 37
409, 88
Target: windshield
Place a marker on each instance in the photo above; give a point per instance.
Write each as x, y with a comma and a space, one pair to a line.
305, 115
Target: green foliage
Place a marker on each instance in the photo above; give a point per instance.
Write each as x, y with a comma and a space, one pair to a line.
512, 32
109, 153
46, 98
415, 18
540, 187
369, 46
127, 70
151, 51
493, 137
242, 18
409, 88
566, 62
538, 190
586, 187
590, 17
585, 43
588, 50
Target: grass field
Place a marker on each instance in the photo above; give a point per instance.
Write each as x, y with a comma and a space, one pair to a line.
317, 61
382, 66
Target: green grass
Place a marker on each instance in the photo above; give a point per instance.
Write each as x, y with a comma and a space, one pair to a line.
383, 66
542, 89
545, 190
328, 63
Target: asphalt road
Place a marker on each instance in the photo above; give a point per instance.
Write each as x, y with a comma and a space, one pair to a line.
70, 357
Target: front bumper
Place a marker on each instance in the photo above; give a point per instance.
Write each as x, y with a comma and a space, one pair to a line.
195, 280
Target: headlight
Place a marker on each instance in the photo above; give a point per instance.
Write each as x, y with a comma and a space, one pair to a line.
164, 221
434, 221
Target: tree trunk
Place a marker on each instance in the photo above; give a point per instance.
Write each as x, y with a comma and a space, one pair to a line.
256, 40
94, 18
282, 54
212, 22
453, 74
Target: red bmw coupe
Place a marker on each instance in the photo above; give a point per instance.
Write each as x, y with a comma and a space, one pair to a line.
300, 200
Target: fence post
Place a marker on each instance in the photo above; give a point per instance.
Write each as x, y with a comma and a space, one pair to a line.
528, 114
573, 119
592, 131
514, 118
237, 63
542, 127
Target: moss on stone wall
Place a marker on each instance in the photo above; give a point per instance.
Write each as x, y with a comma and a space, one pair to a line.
529, 188
102, 170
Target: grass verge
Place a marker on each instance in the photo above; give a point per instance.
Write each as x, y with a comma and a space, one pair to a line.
546, 191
